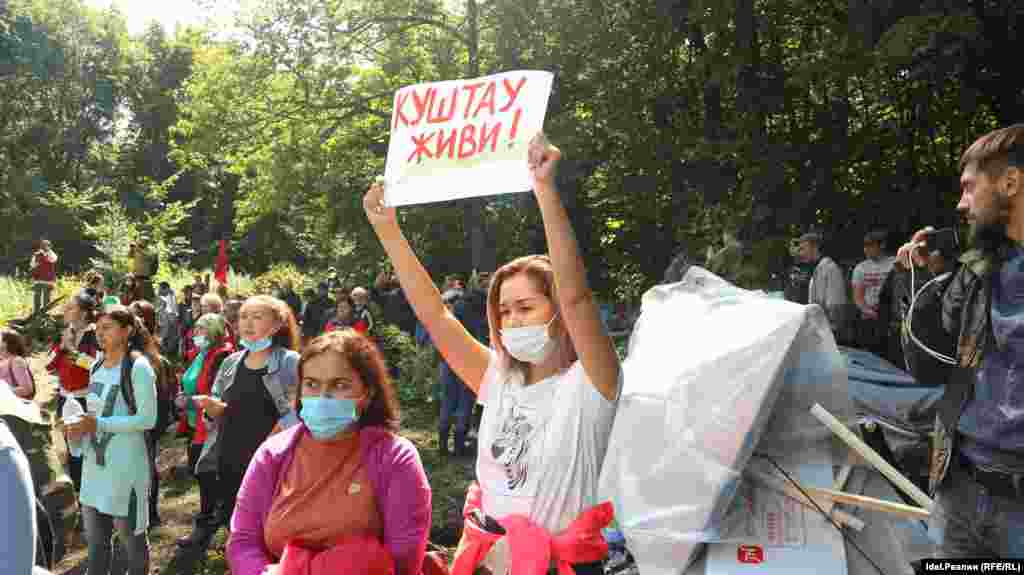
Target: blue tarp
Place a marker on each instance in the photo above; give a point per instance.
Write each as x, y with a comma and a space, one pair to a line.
881, 391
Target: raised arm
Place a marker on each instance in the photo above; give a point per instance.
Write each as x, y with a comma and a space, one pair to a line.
464, 354
579, 309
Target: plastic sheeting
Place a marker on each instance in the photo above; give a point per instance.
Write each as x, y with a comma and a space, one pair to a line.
712, 372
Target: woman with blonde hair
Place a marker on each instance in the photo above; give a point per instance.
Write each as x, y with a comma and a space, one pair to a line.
549, 384
251, 395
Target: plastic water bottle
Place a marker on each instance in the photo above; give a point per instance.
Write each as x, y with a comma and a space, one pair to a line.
72, 412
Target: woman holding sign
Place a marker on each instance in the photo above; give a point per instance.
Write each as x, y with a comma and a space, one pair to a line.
549, 383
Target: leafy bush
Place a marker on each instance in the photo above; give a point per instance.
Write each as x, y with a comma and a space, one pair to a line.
16, 308
15, 299
278, 275
417, 366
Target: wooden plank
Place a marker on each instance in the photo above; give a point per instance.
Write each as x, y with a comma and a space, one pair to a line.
872, 457
870, 503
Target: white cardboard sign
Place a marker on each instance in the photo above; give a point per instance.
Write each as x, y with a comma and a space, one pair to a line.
464, 138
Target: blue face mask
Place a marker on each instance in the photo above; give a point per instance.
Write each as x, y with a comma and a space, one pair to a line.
258, 345
326, 416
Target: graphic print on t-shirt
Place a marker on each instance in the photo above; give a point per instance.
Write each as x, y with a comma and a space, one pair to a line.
511, 446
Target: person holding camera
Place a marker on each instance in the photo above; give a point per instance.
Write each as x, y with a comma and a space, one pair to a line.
44, 274
966, 329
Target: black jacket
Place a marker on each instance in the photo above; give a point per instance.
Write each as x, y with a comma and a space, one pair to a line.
395, 308
316, 315
953, 317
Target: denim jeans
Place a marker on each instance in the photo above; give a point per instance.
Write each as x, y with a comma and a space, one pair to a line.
458, 401
99, 527
41, 296
968, 521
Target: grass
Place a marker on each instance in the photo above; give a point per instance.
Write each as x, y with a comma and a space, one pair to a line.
16, 294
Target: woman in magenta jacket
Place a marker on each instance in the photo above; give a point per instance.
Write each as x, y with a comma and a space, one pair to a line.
341, 479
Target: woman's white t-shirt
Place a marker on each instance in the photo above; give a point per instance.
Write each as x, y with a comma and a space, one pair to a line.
541, 447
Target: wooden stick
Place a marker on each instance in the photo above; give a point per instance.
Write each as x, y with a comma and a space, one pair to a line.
787, 489
872, 456
870, 503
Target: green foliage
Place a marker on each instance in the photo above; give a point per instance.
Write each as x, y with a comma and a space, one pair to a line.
416, 365
15, 299
278, 276
677, 120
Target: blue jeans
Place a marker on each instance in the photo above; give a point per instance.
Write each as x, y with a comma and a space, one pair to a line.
458, 401
99, 527
968, 521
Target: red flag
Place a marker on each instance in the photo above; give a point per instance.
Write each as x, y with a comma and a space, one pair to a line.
221, 272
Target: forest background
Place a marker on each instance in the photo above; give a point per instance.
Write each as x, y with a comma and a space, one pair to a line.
679, 119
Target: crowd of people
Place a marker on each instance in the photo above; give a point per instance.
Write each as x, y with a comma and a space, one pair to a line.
292, 421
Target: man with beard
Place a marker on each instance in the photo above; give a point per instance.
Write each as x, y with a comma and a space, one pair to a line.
967, 329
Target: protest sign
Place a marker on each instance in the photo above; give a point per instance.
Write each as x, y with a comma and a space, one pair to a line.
464, 138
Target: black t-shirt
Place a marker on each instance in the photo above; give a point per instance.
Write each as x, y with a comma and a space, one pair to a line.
248, 419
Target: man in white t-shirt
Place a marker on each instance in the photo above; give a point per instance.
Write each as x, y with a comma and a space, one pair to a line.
868, 277
869, 274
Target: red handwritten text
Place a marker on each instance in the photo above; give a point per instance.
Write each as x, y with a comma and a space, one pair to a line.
427, 104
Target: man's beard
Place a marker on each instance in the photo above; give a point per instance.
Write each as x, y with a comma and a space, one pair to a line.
988, 230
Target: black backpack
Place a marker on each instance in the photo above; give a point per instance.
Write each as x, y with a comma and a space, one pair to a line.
128, 393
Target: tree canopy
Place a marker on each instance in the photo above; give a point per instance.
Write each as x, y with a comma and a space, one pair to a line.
678, 118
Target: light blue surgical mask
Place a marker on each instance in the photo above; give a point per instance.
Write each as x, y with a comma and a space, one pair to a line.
201, 341
326, 416
258, 345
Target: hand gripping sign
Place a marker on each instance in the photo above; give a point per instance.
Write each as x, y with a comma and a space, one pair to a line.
464, 138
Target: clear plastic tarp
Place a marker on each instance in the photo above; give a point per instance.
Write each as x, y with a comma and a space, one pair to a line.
713, 372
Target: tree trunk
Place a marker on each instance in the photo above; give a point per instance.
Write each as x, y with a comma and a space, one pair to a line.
481, 246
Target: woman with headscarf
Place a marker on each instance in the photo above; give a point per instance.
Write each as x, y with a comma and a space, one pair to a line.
213, 345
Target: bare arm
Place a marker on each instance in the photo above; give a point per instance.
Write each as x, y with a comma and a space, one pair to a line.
858, 297
464, 354
581, 315
22, 384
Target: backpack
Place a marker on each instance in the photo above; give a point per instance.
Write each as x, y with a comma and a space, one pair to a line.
166, 390
128, 392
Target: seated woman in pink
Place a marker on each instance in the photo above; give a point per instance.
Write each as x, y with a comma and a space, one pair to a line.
343, 486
